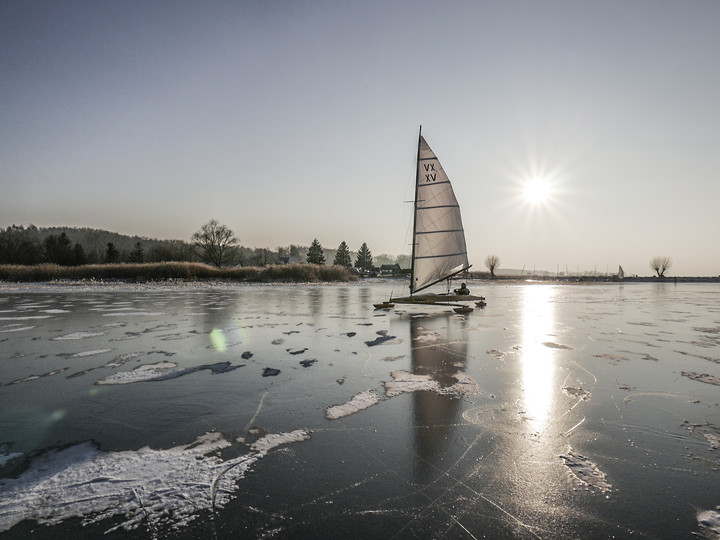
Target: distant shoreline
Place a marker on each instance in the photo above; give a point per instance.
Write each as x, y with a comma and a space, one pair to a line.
174, 271
288, 273
598, 279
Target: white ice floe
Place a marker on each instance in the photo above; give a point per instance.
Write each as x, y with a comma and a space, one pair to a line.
157, 487
55, 311
360, 401
78, 335
585, 471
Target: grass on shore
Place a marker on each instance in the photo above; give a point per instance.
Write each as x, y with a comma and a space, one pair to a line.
140, 272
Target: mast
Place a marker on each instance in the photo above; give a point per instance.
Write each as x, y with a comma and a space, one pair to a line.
414, 242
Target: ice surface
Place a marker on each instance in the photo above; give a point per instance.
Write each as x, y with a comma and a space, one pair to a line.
458, 436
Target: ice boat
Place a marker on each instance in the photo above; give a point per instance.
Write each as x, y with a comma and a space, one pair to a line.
438, 242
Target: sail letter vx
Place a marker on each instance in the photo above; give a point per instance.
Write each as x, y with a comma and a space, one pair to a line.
439, 250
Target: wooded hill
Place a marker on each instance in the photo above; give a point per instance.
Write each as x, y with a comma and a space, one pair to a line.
72, 246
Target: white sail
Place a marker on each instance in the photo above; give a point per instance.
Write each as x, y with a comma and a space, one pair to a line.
621, 272
439, 249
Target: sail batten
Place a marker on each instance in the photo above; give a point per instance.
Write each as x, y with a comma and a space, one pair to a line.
439, 249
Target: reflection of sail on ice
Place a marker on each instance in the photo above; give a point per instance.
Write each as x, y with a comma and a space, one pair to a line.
434, 415
439, 251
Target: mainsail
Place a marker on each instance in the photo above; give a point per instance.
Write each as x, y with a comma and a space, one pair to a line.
439, 249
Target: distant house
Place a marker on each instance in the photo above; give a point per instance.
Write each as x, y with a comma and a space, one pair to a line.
390, 270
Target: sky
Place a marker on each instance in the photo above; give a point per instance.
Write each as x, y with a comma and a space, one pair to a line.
294, 120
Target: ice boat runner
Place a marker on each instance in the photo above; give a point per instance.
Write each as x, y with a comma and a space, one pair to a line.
438, 244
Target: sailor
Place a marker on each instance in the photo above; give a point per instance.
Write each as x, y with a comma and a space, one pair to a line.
463, 290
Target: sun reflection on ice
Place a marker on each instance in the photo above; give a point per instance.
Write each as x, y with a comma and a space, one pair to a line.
537, 360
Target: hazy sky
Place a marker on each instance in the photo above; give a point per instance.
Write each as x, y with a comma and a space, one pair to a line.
292, 120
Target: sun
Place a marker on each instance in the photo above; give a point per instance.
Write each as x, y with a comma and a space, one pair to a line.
537, 190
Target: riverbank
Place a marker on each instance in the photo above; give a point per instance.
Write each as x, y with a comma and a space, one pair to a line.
184, 271
594, 279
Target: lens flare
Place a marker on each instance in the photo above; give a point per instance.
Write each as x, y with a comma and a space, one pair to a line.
217, 338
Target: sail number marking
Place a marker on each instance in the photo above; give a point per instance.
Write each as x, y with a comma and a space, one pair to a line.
431, 176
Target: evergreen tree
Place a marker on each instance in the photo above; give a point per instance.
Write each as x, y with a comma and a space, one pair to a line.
58, 250
315, 253
364, 258
137, 255
112, 255
342, 256
79, 256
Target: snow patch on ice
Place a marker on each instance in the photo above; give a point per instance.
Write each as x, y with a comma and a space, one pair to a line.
585, 471
26, 318
360, 401
709, 523
140, 373
89, 353
554, 345
78, 335
163, 371
465, 385
157, 487
18, 329
404, 381
134, 313
702, 377
426, 336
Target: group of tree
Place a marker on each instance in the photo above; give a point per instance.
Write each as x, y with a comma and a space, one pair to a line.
69, 246
342, 257
214, 243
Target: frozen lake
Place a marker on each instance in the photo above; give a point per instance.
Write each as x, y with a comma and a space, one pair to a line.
298, 411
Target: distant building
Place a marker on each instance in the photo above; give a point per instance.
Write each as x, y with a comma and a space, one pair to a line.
288, 259
390, 270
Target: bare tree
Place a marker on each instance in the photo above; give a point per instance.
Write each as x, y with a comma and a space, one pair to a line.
660, 265
492, 262
216, 242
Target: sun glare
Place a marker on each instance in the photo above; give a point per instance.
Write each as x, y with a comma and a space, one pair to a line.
537, 190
